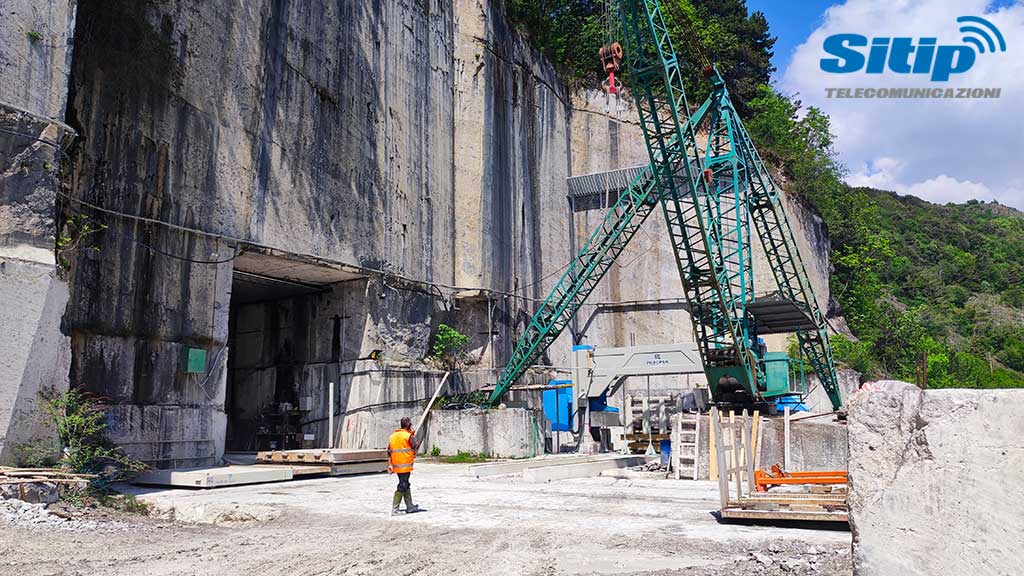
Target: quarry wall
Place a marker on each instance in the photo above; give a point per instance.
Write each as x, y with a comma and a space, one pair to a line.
35, 52
338, 178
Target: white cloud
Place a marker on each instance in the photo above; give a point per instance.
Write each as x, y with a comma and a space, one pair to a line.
886, 173
940, 150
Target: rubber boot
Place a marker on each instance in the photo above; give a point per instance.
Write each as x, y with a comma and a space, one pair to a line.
396, 501
409, 506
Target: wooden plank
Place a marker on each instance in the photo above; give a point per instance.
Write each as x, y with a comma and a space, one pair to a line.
734, 462
794, 501
748, 452
785, 450
430, 404
308, 469
785, 515
30, 474
757, 447
5, 481
723, 480
712, 451
320, 456
696, 446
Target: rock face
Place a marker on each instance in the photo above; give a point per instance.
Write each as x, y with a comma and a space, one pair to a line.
35, 50
937, 481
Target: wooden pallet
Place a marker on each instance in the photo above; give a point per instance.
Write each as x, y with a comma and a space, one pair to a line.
320, 456
792, 515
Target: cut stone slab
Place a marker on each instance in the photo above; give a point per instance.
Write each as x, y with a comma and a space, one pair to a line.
936, 481
215, 477
580, 469
357, 468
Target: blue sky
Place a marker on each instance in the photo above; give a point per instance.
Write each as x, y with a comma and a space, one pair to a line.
942, 150
791, 25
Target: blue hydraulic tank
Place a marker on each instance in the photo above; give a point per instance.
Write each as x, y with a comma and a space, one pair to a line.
558, 405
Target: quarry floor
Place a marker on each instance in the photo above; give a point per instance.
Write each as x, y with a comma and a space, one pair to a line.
471, 526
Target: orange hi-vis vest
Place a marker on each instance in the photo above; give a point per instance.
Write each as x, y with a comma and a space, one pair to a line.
400, 452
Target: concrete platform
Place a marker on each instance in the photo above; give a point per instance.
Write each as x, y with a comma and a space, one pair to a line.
580, 469
520, 466
215, 477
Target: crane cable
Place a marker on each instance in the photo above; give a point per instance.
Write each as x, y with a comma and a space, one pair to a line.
693, 42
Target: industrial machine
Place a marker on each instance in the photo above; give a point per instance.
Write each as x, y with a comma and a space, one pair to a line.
601, 372
714, 199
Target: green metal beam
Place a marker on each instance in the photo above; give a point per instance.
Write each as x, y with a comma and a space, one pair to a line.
708, 199
620, 223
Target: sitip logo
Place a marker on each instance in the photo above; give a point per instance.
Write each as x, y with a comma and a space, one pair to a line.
923, 56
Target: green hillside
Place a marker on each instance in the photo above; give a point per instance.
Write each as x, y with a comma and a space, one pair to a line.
912, 278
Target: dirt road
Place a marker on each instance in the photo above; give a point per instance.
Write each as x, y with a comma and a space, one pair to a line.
471, 526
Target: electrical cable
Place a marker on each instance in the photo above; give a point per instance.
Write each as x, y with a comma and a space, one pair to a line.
70, 198
234, 254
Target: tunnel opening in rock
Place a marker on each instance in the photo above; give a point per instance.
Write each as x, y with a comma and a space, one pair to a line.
281, 349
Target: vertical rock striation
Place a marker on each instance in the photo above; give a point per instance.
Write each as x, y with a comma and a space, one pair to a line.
424, 139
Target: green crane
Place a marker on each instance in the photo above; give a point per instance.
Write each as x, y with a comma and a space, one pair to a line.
709, 198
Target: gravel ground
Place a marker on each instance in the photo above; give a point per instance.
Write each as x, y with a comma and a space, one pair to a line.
471, 526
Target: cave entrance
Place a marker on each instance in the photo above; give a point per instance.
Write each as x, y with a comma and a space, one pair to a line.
275, 350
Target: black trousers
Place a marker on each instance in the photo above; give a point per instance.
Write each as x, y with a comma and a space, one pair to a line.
403, 481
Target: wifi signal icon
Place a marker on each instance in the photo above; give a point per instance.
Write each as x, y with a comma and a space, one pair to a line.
984, 30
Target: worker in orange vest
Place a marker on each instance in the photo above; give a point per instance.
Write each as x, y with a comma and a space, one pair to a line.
402, 448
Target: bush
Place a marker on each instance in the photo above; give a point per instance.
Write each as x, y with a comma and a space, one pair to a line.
447, 342
81, 427
37, 454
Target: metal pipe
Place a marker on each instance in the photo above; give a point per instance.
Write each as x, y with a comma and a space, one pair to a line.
330, 416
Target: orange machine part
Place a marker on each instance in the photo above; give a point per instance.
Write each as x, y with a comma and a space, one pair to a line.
764, 480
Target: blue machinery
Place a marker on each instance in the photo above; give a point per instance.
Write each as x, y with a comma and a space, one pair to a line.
709, 199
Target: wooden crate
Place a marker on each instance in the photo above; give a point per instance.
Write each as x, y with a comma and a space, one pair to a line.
734, 451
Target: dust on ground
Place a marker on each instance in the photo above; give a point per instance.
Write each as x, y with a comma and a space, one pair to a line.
470, 526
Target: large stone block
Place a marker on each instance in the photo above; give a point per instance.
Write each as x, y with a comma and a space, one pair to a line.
511, 433
34, 355
937, 481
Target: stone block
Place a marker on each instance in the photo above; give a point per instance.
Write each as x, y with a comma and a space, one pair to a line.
31, 492
936, 481
510, 433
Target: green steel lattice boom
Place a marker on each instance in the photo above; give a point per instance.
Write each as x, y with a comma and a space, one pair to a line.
708, 200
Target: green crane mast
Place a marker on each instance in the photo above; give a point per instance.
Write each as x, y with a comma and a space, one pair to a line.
708, 198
